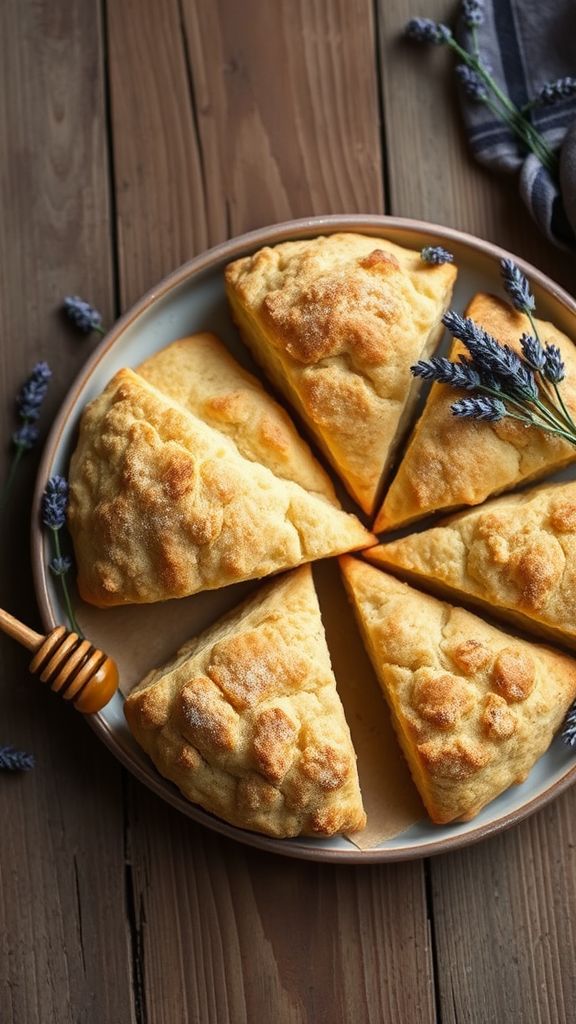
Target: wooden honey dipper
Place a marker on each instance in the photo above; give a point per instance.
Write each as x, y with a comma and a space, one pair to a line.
71, 665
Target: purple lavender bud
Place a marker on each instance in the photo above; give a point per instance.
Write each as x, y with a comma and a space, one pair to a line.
25, 437
55, 503
533, 352
517, 286
569, 729
473, 12
424, 30
561, 89
471, 83
15, 760
481, 408
82, 314
554, 369
60, 565
436, 255
441, 370
33, 392
491, 359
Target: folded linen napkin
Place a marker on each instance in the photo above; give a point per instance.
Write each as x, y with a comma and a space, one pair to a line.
528, 43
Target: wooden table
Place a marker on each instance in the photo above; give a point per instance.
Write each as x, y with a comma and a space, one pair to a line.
136, 133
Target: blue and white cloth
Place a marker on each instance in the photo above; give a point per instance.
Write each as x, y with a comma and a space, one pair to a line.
528, 43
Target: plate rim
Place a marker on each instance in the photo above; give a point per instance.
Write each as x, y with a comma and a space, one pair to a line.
270, 235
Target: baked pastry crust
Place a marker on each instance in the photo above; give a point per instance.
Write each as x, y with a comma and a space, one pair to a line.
247, 721
473, 708
200, 374
163, 506
336, 322
452, 462
515, 556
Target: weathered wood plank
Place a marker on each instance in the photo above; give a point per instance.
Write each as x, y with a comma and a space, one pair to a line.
285, 124
504, 910
63, 936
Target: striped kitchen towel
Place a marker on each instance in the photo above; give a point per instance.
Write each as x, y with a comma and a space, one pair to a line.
528, 43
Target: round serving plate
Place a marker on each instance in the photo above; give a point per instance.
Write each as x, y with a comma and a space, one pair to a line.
193, 299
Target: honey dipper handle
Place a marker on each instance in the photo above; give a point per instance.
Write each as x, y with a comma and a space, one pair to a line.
18, 631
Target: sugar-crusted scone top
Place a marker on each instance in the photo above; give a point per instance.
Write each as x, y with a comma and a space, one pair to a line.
474, 708
247, 720
337, 322
162, 505
517, 553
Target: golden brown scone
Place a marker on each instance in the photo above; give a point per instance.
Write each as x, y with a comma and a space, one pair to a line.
514, 555
246, 719
336, 323
473, 708
162, 505
451, 462
200, 374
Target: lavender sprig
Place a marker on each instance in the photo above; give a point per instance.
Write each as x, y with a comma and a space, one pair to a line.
15, 760
553, 92
471, 83
502, 383
84, 316
480, 84
436, 255
53, 510
28, 406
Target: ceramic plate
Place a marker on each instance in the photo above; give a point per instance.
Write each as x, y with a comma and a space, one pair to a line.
193, 299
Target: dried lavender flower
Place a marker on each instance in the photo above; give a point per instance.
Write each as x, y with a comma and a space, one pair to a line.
55, 503
481, 408
61, 565
471, 83
517, 286
554, 369
436, 255
33, 392
15, 760
569, 728
82, 314
457, 375
25, 437
491, 359
424, 30
561, 89
533, 352
472, 12
53, 510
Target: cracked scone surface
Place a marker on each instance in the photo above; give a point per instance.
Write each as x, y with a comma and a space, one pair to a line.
473, 707
450, 462
247, 721
163, 506
515, 554
201, 375
336, 322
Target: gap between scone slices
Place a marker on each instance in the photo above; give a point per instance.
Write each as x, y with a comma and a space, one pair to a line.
514, 556
473, 707
451, 462
336, 323
247, 721
162, 505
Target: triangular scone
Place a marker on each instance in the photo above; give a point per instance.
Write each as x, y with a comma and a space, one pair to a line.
473, 708
201, 375
515, 555
451, 462
336, 323
246, 719
162, 505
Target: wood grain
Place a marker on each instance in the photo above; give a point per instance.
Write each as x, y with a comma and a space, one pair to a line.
284, 122
63, 934
503, 911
